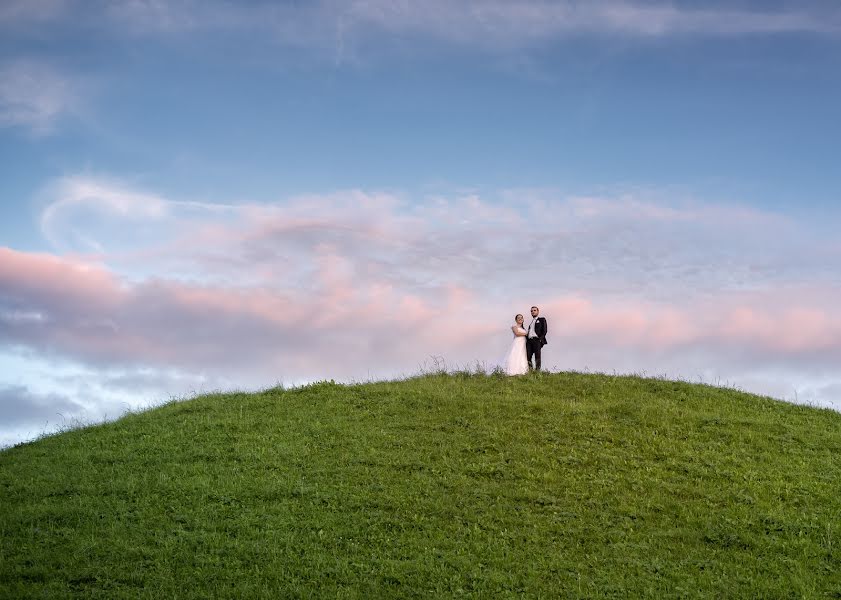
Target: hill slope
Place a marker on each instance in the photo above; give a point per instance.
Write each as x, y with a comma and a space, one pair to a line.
443, 485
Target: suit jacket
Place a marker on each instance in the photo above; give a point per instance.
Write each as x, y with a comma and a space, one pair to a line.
541, 328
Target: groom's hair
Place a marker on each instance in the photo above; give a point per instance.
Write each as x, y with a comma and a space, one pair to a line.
535, 307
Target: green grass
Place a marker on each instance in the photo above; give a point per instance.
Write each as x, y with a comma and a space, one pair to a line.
552, 485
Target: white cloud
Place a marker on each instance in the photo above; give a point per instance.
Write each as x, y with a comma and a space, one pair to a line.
165, 15
34, 96
42, 394
342, 27
348, 30
30, 11
633, 243
526, 22
77, 202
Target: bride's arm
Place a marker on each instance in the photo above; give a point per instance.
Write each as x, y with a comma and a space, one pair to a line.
518, 331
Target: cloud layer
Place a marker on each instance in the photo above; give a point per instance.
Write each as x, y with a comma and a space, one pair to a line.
358, 285
344, 25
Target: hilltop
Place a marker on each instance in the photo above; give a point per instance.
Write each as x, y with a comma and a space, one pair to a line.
551, 485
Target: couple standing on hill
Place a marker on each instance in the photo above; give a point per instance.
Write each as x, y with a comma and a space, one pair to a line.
527, 344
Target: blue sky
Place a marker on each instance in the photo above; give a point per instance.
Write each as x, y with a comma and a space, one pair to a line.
199, 177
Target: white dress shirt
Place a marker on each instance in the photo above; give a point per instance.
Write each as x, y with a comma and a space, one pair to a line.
532, 334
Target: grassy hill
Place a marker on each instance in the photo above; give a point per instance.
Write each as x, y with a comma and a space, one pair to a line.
553, 485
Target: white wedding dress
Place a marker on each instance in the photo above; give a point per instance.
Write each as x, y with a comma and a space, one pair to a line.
515, 362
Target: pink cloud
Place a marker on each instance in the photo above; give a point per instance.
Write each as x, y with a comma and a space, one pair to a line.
784, 329
771, 325
338, 327
26, 277
168, 323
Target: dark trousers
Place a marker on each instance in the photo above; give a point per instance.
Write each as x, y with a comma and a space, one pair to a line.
533, 347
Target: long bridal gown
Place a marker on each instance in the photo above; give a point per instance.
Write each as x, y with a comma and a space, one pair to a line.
515, 362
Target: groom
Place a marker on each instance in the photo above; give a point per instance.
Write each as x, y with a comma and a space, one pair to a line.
536, 337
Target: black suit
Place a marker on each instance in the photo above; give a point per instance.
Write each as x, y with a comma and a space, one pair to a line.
535, 344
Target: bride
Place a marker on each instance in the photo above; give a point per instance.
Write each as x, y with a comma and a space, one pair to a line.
515, 362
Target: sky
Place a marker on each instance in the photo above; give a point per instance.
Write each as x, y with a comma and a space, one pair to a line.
203, 196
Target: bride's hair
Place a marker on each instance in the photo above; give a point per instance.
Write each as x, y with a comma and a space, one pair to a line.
515, 317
